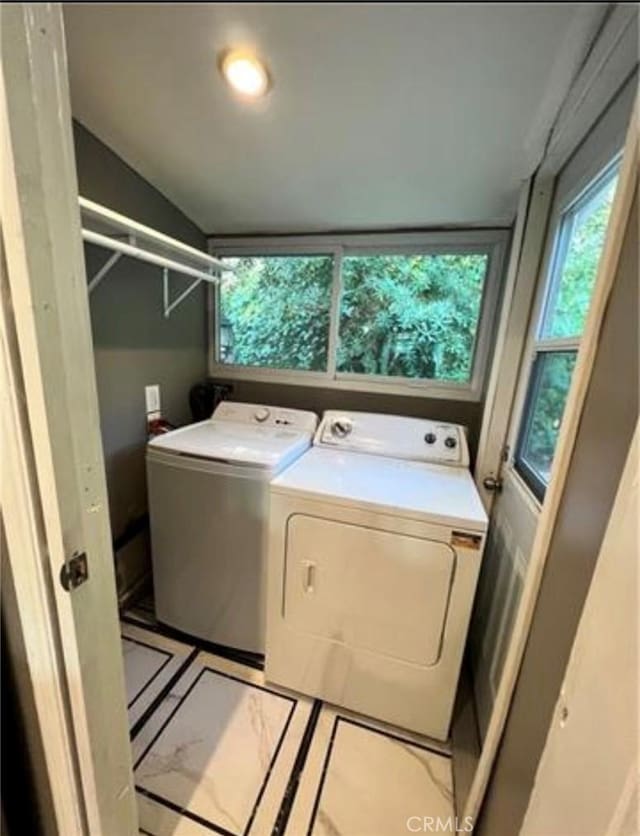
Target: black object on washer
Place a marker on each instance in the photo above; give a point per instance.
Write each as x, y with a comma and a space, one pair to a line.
205, 396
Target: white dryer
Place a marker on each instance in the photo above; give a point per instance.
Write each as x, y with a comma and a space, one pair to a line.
376, 539
208, 507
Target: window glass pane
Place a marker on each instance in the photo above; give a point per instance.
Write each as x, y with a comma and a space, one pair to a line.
412, 316
274, 311
546, 398
580, 247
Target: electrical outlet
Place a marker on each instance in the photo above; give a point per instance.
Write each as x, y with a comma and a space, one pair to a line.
152, 400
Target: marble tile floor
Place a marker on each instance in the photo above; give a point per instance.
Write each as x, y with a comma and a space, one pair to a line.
216, 749
151, 661
363, 779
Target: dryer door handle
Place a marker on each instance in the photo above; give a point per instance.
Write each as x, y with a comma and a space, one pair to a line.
308, 575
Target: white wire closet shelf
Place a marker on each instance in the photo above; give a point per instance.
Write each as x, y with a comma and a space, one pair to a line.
125, 237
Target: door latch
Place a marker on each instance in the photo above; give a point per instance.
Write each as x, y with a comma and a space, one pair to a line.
75, 571
490, 483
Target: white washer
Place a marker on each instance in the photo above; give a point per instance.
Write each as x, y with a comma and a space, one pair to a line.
376, 539
208, 501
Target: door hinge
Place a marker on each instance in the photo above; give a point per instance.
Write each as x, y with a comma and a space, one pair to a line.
75, 571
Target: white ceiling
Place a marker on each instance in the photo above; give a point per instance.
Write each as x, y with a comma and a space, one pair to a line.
381, 116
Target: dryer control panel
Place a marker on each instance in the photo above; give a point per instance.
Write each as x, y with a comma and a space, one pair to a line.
395, 436
266, 416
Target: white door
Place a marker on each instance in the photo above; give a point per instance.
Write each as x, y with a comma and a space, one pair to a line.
587, 779
576, 229
53, 489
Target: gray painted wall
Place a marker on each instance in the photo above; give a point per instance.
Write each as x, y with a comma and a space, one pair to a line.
133, 344
602, 443
107, 179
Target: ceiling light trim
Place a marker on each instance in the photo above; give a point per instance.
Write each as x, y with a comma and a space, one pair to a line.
245, 73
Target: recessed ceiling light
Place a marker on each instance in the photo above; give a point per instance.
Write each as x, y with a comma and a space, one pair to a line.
245, 73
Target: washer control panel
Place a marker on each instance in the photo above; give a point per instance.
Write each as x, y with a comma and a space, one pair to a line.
396, 436
260, 415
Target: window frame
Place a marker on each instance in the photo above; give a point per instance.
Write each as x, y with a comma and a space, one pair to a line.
562, 226
492, 242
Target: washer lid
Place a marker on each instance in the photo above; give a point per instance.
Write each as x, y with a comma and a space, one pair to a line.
271, 448
432, 493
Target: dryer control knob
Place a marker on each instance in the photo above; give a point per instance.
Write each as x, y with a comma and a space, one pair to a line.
341, 427
450, 442
430, 438
261, 415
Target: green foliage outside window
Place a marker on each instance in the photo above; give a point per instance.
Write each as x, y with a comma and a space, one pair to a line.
551, 380
574, 285
275, 312
581, 240
407, 315
411, 315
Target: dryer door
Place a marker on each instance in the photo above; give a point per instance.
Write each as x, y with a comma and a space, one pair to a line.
368, 588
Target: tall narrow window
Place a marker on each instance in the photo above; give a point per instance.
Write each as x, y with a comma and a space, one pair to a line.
578, 248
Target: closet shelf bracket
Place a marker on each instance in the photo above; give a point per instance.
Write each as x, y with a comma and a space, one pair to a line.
109, 263
102, 272
123, 236
169, 306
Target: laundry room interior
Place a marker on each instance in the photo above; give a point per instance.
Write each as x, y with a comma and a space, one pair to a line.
362, 288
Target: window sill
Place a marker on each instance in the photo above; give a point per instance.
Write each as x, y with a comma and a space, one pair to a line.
419, 389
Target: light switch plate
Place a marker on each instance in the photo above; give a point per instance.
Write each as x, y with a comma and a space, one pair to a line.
152, 400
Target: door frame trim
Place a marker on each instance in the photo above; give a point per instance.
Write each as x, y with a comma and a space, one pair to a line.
32, 612
49, 303
612, 570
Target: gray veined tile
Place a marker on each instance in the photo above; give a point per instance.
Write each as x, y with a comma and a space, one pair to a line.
150, 661
141, 664
360, 780
162, 821
217, 752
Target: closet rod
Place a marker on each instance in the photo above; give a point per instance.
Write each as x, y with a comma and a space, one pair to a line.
145, 255
141, 232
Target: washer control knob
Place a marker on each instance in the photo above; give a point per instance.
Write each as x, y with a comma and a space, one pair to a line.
261, 415
430, 438
450, 442
341, 427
